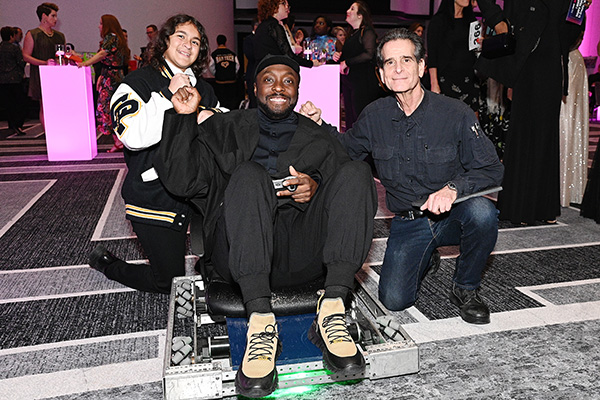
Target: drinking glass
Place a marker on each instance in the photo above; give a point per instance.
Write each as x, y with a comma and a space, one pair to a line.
60, 53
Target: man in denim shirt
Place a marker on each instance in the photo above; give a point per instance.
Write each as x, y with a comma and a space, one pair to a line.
431, 148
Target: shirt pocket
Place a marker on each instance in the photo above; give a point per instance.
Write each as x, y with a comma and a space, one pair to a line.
440, 163
385, 162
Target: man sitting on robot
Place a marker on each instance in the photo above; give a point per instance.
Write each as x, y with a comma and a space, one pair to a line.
320, 223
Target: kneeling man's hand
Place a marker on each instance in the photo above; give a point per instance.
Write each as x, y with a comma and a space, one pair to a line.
440, 202
186, 100
311, 111
305, 190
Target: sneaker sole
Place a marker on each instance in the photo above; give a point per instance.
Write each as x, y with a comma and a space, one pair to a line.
317, 340
256, 393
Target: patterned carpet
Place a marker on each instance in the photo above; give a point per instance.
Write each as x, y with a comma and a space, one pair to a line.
66, 332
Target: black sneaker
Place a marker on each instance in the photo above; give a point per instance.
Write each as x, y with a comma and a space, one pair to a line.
472, 309
100, 258
330, 334
257, 375
434, 262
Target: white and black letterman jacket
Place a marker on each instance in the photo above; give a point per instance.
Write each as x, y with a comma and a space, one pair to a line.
137, 108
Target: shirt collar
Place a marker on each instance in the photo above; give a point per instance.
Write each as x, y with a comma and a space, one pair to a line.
269, 124
188, 72
418, 114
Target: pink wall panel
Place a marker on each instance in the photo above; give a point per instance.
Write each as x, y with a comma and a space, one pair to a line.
321, 85
68, 113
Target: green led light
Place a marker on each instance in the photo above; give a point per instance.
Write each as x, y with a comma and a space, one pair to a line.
298, 390
301, 375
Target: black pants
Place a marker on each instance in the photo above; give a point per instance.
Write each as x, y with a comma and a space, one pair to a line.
14, 100
260, 242
165, 249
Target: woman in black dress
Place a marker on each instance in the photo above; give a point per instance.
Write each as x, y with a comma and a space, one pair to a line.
356, 59
449, 59
536, 73
271, 37
590, 205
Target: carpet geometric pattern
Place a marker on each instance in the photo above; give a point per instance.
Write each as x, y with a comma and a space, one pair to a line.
67, 333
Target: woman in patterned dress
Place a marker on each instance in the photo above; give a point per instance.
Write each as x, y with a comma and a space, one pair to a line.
451, 64
113, 56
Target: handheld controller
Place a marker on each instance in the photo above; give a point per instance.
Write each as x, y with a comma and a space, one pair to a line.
278, 184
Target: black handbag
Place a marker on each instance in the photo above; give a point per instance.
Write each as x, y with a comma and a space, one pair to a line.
500, 45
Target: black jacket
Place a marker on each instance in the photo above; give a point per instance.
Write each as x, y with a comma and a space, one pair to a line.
196, 161
270, 38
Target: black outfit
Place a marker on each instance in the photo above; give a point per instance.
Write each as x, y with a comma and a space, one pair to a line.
448, 51
12, 94
270, 38
225, 77
359, 54
144, 56
250, 68
536, 72
159, 219
252, 235
43, 49
590, 205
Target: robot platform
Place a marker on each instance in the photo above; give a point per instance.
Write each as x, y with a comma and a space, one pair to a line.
203, 351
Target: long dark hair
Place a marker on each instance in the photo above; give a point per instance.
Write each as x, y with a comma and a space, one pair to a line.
161, 44
110, 24
363, 9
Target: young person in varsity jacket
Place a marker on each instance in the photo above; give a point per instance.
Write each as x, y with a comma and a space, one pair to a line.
159, 219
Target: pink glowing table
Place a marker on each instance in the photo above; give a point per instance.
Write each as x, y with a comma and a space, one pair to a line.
321, 85
68, 113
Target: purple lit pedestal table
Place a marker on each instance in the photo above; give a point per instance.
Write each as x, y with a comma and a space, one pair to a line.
68, 113
321, 85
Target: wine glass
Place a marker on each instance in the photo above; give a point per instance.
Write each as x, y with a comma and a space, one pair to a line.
60, 53
307, 50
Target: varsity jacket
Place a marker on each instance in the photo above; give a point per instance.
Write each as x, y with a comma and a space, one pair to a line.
137, 107
224, 65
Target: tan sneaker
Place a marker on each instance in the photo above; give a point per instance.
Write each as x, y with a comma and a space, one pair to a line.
257, 375
330, 334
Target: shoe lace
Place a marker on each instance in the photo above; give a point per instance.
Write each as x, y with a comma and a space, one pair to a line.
336, 329
261, 344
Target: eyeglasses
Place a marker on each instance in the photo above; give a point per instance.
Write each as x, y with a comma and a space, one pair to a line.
285, 4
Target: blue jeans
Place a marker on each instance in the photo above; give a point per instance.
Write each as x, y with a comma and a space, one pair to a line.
472, 224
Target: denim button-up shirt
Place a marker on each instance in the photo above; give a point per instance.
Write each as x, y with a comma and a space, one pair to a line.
418, 154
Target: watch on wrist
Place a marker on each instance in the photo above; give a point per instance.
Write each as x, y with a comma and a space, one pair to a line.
452, 186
